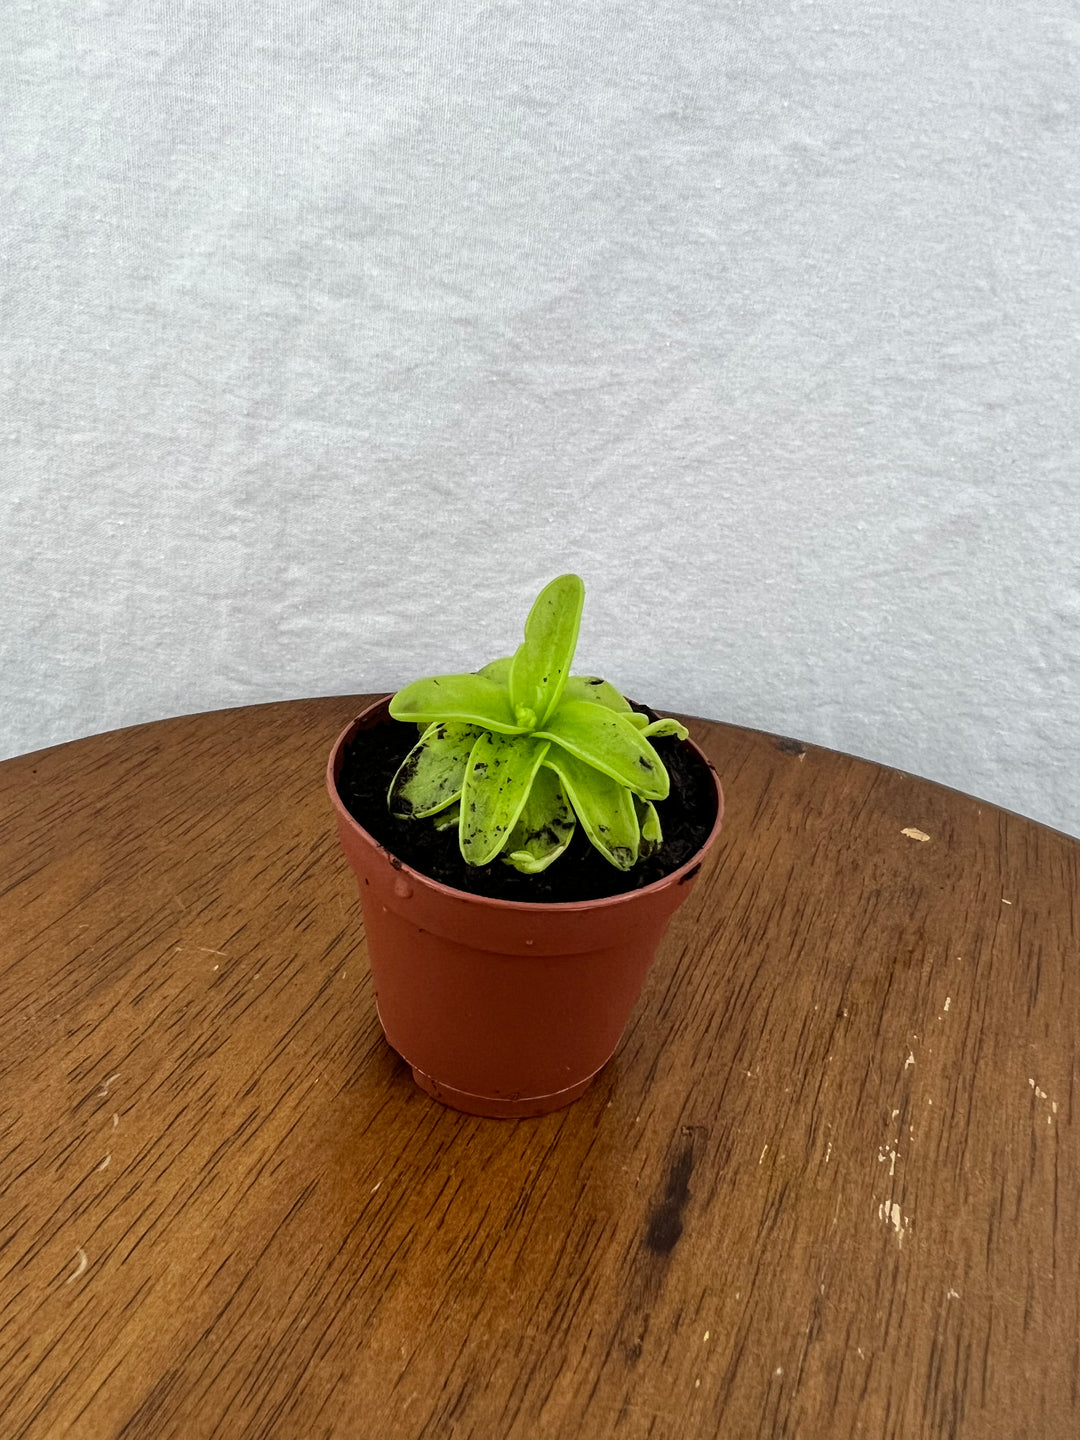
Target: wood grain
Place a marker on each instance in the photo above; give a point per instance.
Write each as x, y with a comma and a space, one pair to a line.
829, 1186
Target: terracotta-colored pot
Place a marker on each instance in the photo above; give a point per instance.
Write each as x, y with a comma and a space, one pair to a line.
502, 1008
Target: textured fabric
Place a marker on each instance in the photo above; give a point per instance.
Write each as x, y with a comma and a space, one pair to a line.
330, 331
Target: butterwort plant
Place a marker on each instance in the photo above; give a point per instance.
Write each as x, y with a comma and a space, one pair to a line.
518, 754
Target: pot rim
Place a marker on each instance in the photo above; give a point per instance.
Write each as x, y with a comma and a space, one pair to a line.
689, 867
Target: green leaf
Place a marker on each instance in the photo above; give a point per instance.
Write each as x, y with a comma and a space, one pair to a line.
542, 663
604, 807
433, 772
544, 828
599, 692
498, 670
667, 726
448, 819
652, 837
610, 743
499, 776
468, 699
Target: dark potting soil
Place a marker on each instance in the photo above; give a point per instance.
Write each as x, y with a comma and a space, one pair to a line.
370, 762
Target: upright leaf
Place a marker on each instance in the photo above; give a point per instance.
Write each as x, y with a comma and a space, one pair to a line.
542, 663
500, 773
610, 743
604, 807
468, 699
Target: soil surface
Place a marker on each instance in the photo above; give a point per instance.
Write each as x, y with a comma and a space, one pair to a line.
370, 762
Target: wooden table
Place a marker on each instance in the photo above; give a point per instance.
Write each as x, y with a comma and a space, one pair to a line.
829, 1186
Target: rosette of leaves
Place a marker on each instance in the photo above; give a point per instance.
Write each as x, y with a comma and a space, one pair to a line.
518, 754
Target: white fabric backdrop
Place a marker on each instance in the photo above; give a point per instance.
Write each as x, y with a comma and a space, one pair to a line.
331, 331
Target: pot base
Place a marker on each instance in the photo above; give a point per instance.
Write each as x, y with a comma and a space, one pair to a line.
494, 1108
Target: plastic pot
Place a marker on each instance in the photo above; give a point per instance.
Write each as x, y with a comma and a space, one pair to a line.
502, 1008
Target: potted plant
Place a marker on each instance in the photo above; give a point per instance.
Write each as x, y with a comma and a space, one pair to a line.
521, 837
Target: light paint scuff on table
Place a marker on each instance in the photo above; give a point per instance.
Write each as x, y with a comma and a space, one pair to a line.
889, 1211
1041, 1094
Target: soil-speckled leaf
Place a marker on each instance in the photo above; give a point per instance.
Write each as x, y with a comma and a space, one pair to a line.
604, 807
468, 699
611, 743
544, 828
433, 772
667, 726
497, 782
652, 837
542, 664
599, 692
